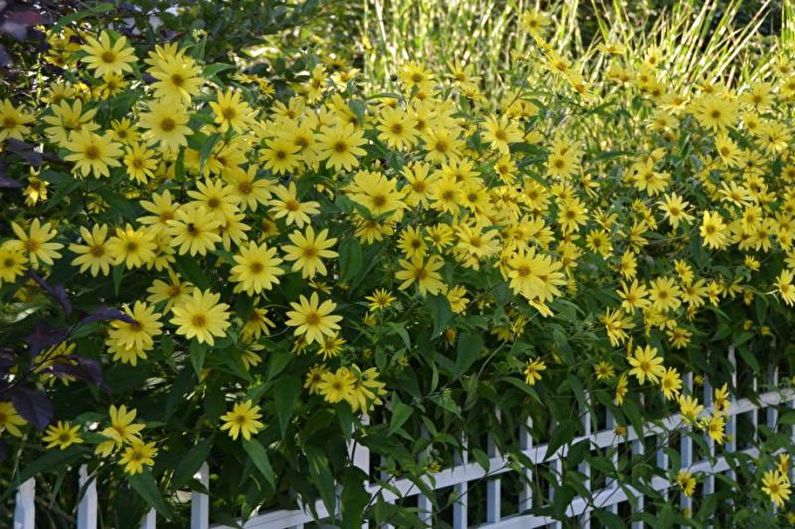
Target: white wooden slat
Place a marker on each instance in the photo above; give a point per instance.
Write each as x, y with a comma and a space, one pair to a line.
558, 464
424, 504
200, 503
461, 491
149, 520
87, 508
493, 487
639, 448
610, 425
731, 424
584, 468
525, 444
772, 412
709, 481
25, 507
686, 446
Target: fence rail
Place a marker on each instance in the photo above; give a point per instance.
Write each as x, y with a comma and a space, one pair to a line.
465, 472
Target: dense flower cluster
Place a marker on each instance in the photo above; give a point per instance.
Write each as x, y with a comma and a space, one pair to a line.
357, 234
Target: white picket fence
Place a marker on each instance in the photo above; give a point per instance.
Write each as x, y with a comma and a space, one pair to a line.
464, 473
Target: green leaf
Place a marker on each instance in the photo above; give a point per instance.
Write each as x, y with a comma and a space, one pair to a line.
285, 394
214, 69
198, 352
117, 275
190, 462
191, 270
610, 520
350, 258
399, 328
564, 432
84, 13
354, 498
468, 351
441, 313
259, 456
146, 487
400, 414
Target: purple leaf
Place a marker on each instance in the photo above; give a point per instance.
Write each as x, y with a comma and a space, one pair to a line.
106, 314
3, 449
33, 406
15, 30
9, 182
58, 292
28, 17
86, 369
44, 337
6, 360
5, 58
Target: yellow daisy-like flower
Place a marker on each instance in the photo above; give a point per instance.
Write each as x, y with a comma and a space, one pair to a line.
777, 486
134, 248
231, 111
93, 153
242, 420
201, 316
62, 435
138, 455
340, 146
35, 243
10, 420
425, 273
93, 255
13, 121
257, 268
141, 332
12, 262
532, 372
105, 57
308, 251
646, 365
122, 430
313, 319
166, 123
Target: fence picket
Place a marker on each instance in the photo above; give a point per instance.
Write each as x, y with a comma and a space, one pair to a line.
149, 520
461, 491
200, 502
686, 448
25, 510
87, 508
493, 486
526, 444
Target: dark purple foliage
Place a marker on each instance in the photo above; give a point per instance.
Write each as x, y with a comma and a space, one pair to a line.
58, 292
33, 406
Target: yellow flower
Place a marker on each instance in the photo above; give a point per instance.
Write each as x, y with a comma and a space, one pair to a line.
257, 268
106, 58
93, 153
670, 383
500, 132
376, 192
397, 128
686, 481
231, 111
122, 430
13, 121
280, 156
12, 262
340, 145
93, 255
532, 372
675, 209
286, 205
140, 163
689, 408
714, 231
308, 250
10, 420
193, 230
35, 244
137, 455
313, 319
201, 316
777, 486
166, 123
536, 277
785, 287
380, 299
425, 273
664, 294
63, 435
134, 248
337, 386
139, 334
242, 419
646, 365
178, 78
